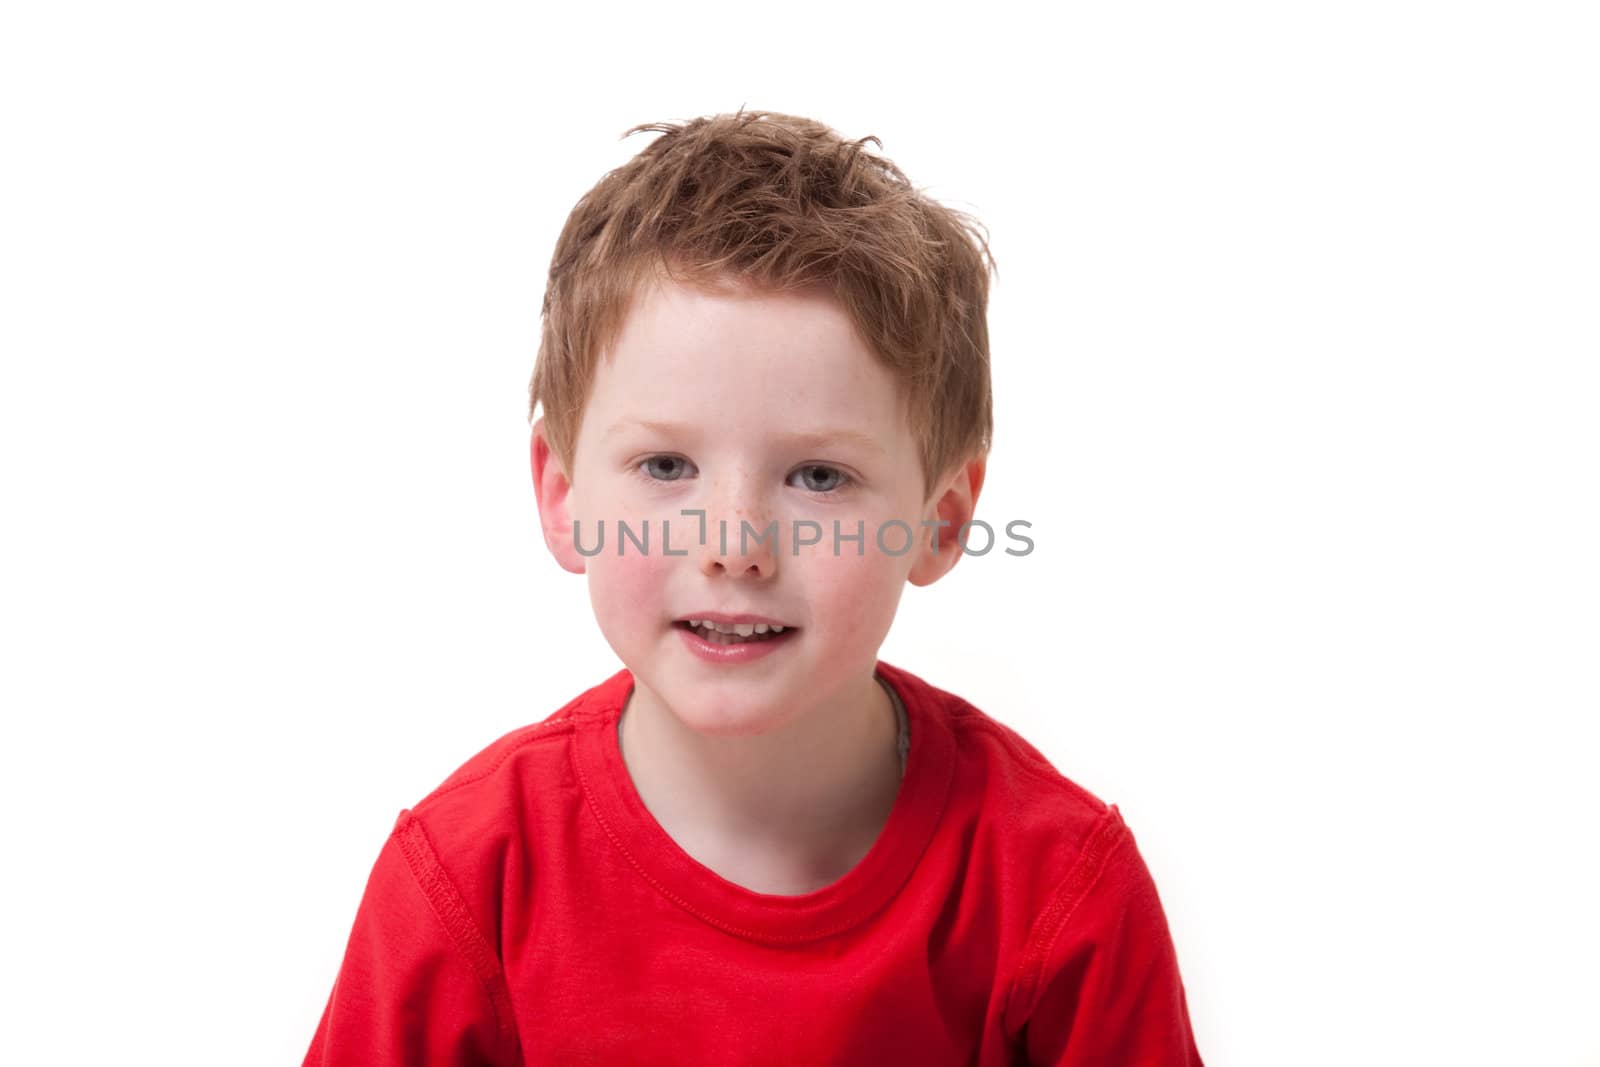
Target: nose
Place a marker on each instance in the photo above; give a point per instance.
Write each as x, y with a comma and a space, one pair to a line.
741, 539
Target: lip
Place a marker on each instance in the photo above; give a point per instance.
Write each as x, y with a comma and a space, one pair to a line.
734, 620
744, 652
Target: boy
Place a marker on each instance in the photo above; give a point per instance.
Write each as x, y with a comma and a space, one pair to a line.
764, 374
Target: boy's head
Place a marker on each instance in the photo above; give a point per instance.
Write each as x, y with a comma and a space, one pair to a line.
778, 203
757, 327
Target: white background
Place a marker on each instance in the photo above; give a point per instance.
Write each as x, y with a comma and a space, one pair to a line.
1295, 341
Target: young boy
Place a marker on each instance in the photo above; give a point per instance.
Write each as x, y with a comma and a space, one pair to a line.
764, 376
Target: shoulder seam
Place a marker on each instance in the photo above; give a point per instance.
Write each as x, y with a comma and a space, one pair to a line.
1109, 834
561, 720
1038, 766
536, 732
447, 903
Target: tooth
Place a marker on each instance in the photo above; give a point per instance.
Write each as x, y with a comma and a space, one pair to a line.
744, 629
761, 627
777, 629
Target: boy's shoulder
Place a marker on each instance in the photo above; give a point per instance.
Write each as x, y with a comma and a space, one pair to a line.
500, 809
994, 772
980, 788
1003, 782
531, 757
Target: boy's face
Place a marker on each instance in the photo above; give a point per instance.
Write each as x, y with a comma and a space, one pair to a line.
755, 407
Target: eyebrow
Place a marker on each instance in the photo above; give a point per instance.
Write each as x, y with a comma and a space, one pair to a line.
812, 439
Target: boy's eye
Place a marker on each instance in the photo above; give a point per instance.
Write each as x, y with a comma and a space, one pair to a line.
814, 477
820, 479
665, 468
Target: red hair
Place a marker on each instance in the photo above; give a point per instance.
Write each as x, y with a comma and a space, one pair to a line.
778, 202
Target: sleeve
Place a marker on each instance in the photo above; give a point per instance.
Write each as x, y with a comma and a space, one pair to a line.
419, 984
1102, 973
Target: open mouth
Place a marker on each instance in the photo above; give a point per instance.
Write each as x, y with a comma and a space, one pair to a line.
740, 634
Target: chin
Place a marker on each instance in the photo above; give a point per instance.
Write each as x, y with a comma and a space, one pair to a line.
729, 707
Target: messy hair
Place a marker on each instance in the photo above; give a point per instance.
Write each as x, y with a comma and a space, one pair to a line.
780, 203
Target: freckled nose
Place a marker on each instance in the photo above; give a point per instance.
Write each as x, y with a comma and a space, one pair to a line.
740, 542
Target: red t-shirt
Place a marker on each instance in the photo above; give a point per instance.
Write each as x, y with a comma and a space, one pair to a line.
532, 911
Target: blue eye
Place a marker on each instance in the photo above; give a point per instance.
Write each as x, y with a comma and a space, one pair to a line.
665, 468
813, 477
820, 479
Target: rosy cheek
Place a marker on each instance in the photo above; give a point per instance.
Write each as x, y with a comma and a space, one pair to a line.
625, 588
633, 582
856, 595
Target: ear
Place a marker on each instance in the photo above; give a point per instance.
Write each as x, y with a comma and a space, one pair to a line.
553, 489
954, 501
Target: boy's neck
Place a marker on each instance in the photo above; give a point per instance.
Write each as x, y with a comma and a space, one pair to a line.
786, 812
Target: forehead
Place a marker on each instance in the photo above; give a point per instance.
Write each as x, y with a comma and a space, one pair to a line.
734, 355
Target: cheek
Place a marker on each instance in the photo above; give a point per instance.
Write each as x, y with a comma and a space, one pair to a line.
628, 593
856, 596
627, 590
